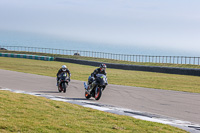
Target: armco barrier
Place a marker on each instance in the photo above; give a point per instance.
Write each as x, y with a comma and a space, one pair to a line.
26, 56
170, 70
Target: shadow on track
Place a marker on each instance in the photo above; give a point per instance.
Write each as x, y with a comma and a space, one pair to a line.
79, 99
47, 91
75, 99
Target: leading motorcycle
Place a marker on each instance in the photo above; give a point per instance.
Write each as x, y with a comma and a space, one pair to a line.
100, 84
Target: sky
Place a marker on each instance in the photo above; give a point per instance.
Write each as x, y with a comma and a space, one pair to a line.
165, 24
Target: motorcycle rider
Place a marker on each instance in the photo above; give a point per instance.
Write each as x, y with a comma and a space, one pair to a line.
91, 79
61, 70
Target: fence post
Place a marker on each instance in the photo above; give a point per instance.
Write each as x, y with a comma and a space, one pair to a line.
152, 58
181, 59
185, 60
136, 57
177, 59
189, 60
142, 58
139, 57
156, 60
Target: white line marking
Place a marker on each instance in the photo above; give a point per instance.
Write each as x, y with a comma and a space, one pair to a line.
188, 126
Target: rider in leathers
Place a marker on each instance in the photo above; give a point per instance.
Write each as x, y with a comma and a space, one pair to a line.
63, 69
91, 79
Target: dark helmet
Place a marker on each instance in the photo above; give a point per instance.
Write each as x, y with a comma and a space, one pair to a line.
103, 67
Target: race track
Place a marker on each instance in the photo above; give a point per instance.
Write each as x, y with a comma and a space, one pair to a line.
179, 105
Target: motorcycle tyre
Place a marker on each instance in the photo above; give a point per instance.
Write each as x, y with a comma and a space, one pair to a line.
64, 85
98, 93
87, 96
59, 89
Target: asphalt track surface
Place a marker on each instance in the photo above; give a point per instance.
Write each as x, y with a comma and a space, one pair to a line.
179, 105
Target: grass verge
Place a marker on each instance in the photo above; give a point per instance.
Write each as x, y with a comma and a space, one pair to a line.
31, 114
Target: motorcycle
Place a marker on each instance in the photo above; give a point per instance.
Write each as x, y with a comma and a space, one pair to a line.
96, 91
63, 82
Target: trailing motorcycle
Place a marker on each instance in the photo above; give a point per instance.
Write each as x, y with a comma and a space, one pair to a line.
63, 82
96, 91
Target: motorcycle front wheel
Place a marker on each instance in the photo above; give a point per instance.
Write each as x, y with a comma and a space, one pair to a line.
59, 88
64, 86
87, 96
98, 92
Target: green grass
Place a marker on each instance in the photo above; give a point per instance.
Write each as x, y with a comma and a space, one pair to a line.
115, 76
106, 60
22, 113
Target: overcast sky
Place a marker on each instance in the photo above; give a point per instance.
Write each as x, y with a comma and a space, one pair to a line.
158, 23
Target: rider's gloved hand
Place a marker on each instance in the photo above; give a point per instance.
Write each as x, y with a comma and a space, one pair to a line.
92, 78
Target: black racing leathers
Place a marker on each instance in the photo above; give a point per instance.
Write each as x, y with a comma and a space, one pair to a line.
60, 71
98, 71
91, 81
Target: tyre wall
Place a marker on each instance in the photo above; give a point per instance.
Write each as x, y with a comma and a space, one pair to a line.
26, 56
170, 70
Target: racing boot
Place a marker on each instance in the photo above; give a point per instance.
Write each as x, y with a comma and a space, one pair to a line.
93, 85
89, 87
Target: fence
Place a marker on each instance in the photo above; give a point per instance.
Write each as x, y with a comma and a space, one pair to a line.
123, 57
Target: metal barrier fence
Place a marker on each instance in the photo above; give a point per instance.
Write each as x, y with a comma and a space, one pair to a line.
123, 57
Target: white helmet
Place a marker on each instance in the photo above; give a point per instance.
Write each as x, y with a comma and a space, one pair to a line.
64, 66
